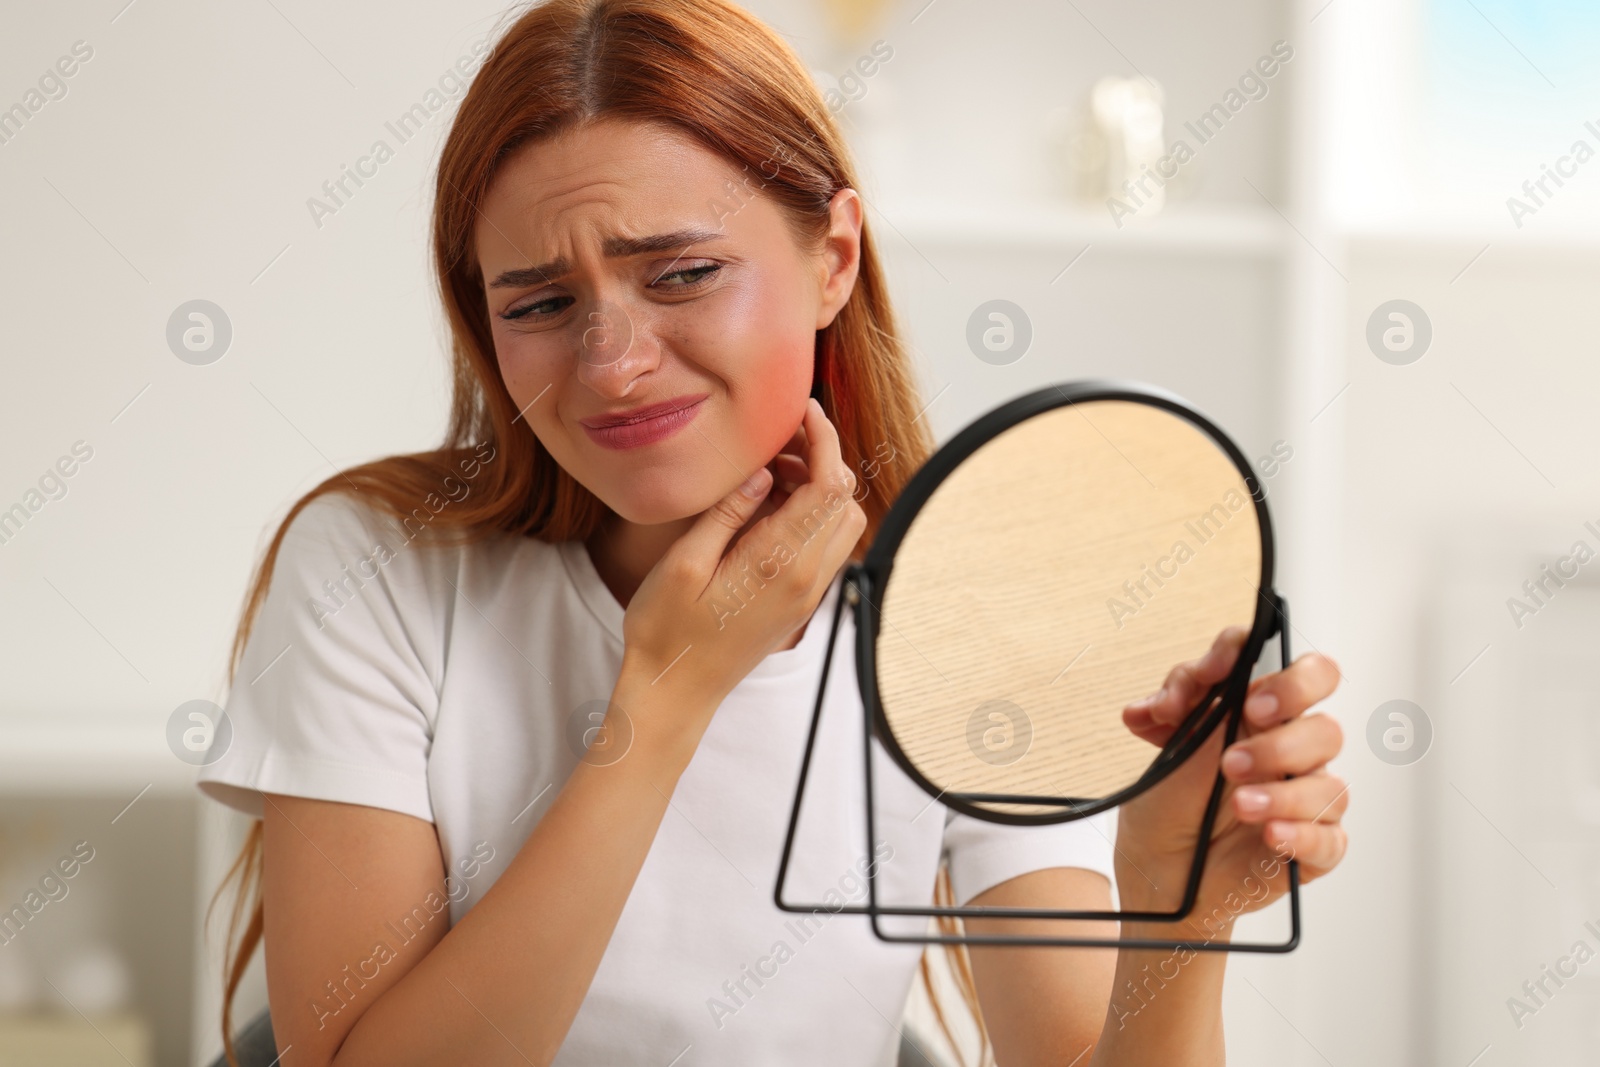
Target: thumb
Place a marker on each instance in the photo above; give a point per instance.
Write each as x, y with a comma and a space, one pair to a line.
708, 538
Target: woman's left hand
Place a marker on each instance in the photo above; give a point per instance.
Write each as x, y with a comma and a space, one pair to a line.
1280, 802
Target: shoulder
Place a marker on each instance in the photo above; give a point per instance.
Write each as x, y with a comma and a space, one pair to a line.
346, 556
360, 535
343, 518
341, 550
331, 518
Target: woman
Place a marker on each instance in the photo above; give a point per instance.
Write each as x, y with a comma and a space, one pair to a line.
521, 715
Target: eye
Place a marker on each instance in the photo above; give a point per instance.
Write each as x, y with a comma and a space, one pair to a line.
527, 310
690, 279
695, 276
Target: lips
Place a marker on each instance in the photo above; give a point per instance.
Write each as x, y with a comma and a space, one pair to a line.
645, 425
639, 414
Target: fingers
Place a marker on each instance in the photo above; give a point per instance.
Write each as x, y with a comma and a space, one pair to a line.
790, 471
1297, 747
1184, 686
847, 529
1282, 695
823, 459
1139, 724
1318, 846
827, 491
850, 522
812, 497
702, 547
798, 443
1315, 798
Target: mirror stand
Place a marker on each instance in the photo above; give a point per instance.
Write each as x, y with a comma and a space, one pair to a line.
1228, 712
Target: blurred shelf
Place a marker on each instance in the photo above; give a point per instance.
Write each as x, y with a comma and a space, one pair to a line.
88, 755
1182, 228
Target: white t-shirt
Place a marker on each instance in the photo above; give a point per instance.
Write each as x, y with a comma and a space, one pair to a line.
456, 684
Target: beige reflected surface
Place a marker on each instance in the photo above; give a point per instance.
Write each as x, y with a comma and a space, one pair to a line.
1055, 576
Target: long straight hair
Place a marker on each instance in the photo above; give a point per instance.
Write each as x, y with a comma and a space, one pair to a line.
706, 69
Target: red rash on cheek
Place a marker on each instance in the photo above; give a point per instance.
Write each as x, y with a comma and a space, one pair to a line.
770, 380
755, 336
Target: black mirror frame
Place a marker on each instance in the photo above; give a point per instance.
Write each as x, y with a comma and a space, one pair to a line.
862, 581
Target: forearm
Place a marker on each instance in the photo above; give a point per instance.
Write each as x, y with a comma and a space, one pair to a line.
1166, 1004
505, 983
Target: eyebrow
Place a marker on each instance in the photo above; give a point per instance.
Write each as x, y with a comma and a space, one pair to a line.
614, 247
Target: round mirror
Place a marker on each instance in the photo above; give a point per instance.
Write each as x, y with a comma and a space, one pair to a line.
1046, 568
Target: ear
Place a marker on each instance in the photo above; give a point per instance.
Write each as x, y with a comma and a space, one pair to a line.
841, 254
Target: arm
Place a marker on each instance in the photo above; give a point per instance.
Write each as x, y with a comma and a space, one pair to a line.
1165, 1006
1044, 1005
1050, 1006
336, 876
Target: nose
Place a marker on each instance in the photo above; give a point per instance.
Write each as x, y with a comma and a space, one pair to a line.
613, 348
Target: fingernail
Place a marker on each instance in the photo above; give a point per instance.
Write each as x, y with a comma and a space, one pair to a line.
1251, 800
756, 484
1150, 701
1236, 761
1261, 706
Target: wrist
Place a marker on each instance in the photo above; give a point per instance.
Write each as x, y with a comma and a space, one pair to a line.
1147, 882
664, 716
1144, 885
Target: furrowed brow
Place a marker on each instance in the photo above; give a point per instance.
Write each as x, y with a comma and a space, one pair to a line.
615, 248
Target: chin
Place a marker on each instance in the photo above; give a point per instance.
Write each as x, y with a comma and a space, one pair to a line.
666, 501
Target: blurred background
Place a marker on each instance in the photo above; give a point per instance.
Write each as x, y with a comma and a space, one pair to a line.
1363, 235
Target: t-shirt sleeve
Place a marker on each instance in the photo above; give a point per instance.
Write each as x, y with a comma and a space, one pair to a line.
984, 854
337, 690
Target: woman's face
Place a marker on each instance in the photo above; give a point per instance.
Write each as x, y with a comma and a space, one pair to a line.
628, 267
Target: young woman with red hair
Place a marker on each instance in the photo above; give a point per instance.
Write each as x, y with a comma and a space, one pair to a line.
521, 716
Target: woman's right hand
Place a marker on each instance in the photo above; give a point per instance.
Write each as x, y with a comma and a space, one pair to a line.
706, 613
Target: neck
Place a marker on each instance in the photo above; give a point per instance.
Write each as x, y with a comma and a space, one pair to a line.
624, 552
